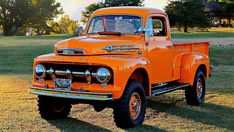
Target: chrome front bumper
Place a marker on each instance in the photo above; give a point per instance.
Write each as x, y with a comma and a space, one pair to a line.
71, 94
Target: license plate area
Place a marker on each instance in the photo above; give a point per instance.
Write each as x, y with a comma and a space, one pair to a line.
61, 83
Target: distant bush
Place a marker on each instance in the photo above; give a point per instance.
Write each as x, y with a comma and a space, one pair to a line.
64, 26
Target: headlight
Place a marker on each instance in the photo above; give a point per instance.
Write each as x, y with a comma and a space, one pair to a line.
103, 75
40, 71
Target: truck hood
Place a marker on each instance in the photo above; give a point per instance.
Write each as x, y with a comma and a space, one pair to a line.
98, 46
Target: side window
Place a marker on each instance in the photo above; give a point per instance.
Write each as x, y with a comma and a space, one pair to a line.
156, 26
159, 26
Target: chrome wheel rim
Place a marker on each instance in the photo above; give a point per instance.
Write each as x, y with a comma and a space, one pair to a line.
199, 88
135, 105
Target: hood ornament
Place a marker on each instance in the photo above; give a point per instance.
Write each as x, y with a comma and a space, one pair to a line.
121, 47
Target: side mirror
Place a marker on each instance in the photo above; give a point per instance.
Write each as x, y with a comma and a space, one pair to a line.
142, 30
79, 31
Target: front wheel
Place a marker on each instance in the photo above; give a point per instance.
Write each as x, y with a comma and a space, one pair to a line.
129, 110
195, 95
53, 108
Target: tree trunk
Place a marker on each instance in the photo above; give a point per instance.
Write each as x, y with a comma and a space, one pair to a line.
185, 28
220, 22
229, 21
38, 31
7, 31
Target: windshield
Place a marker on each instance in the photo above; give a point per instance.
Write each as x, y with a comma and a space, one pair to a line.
123, 24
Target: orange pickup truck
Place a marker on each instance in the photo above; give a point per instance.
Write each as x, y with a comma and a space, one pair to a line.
124, 55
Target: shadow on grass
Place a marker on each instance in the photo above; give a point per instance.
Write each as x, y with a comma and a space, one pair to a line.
71, 124
207, 113
146, 128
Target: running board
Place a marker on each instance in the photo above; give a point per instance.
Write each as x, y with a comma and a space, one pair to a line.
168, 89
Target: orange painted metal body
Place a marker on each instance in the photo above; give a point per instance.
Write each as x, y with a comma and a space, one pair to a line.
162, 60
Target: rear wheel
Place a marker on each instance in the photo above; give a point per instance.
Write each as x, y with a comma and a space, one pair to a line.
195, 95
53, 108
129, 110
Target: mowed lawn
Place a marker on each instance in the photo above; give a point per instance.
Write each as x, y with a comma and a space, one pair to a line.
169, 112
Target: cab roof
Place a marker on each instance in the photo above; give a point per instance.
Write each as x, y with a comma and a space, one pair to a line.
131, 10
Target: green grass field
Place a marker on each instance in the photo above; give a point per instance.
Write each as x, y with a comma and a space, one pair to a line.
198, 35
18, 108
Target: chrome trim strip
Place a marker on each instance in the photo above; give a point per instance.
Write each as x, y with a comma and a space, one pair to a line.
169, 90
71, 49
78, 74
122, 47
60, 72
71, 94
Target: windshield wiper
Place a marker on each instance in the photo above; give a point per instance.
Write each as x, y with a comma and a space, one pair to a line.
109, 33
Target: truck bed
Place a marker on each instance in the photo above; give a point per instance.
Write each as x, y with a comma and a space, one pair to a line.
201, 47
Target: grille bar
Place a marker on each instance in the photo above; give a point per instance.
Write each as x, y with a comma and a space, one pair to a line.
68, 73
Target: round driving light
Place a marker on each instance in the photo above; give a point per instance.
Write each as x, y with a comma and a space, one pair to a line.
40, 71
103, 75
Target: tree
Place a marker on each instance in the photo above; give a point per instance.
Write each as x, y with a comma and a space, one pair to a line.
228, 9
187, 13
65, 26
13, 15
43, 11
19, 13
221, 9
108, 3
89, 10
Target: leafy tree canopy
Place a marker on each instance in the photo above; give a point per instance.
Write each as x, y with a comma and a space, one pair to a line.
108, 3
65, 26
18, 13
225, 10
187, 13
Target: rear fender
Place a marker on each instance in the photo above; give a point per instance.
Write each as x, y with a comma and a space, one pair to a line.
190, 64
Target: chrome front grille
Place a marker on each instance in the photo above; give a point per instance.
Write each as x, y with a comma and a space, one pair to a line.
70, 51
78, 73
70, 74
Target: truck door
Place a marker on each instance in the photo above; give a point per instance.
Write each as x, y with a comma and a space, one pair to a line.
160, 48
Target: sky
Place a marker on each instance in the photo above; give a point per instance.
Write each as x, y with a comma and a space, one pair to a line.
74, 8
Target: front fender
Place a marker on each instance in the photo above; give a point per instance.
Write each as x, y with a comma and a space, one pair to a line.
123, 67
190, 64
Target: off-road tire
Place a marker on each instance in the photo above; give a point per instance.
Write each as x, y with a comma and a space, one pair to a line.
192, 94
122, 115
53, 108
